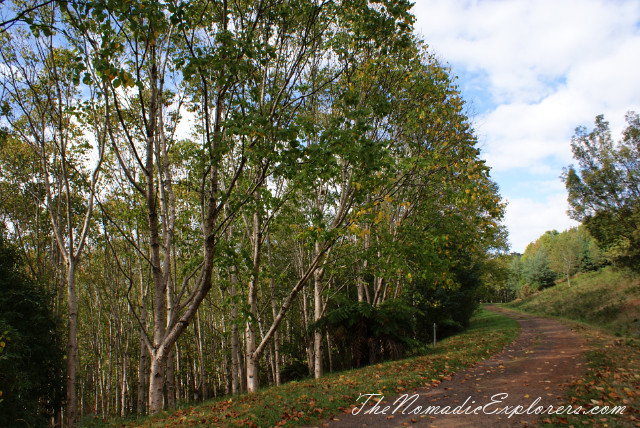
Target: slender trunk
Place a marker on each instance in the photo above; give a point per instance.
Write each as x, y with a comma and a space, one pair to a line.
276, 344
317, 335
142, 378
307, 337
158, 356
123, 385
170, 373
235, 348
365, 264
200, 345
317, 314
72, 346
251, 357
329, 353
179, 382
171, 379
143, 373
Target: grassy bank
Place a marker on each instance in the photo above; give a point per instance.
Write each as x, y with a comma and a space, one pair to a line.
608, 299
300, 403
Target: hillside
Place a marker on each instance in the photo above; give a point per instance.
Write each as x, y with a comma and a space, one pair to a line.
608, 299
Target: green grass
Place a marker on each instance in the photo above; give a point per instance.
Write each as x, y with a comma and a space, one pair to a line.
300, 403
608, 299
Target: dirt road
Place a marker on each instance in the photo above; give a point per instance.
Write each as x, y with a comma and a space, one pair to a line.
536, 366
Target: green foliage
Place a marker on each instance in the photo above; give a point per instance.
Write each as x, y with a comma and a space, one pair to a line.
373, 333
554, 256
310, 124
604, 191
449, 306
31, 355
535, 266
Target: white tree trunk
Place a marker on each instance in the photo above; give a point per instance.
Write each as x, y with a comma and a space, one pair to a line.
156, 383
317, 314
250, 355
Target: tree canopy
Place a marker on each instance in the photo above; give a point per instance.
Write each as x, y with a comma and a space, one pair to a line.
202, 184
604, 189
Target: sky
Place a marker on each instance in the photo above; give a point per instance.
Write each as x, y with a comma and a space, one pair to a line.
531, 71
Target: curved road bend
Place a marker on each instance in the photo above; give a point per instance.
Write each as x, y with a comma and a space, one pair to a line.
541, 362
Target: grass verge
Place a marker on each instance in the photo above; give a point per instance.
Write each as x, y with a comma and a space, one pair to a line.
301, 403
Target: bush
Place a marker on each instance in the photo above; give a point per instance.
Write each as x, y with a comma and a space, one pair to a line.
31, 355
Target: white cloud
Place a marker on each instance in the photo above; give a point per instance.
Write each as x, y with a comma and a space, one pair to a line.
538, 69
549, 66
527, 219
523, 44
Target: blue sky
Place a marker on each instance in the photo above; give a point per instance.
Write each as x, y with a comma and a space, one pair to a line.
532, 71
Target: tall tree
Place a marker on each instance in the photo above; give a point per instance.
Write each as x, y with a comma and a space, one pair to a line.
604, 190
43, 109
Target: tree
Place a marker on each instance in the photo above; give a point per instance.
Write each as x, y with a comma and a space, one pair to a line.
535, 262
572, 251
31, 348
41, 105
604, 191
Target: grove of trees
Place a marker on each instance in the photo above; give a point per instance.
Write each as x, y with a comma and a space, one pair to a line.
220, 195
553, 256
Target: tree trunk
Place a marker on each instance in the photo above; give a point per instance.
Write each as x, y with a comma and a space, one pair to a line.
365, 264
156, 383
329, 353
251, 357
276, 345
252, 364
123, 385
143, 374
308, 342
72, 346
317, 314
142, 378
171, 379
317, 336
200, 344
235, 348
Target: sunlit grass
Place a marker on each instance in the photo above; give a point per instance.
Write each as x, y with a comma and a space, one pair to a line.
300, 403
608, 299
